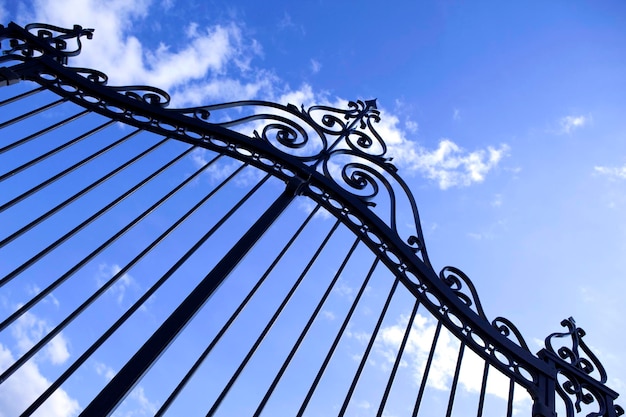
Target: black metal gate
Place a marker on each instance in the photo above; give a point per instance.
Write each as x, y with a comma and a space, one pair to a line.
242, 258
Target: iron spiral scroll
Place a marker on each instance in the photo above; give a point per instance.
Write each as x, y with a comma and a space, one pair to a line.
337, 158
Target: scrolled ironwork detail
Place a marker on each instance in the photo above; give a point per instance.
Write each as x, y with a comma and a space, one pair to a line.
146, 94
576, 392
506, 328
580, 377
44, 40
341, 144
454, 278
572, 355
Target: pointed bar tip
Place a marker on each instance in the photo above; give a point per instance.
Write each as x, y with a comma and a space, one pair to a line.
371, 104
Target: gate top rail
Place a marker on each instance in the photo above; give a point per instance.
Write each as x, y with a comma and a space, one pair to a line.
337, 158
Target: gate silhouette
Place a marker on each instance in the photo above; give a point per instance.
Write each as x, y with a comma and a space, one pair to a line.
235, 259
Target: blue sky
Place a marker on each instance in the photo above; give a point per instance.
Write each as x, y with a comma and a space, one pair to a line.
505, 118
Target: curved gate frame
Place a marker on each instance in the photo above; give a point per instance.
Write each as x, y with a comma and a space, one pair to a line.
40, 53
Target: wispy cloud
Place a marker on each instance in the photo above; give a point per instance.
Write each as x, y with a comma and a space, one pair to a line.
19, 391
411, 126
30, 329
329, 315
613, 173
216, 65
449, 165
456, 114
3, 13
570, 123
315, 66
28, 382
497, 200
442, 368
104, 370
121, 286
286, 22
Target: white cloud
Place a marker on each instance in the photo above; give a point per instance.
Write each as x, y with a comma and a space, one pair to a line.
450, 165
23, 387
497, 201
136, 404
33, 289
307, 205
360, 336
411, 126
3, 14
192, 73
286, 22
215, 65
57, 350
613, 173
364, 404
329, 315
568, 124
104, 370
343, 289
146, 407
29, 329
315, 66
27, 383
456, 114
196, 93
444, 362
121, 286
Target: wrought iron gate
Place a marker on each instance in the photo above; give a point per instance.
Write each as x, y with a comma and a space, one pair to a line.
234, 259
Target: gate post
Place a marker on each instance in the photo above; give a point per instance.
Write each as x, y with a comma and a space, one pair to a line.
583, 377
544, 403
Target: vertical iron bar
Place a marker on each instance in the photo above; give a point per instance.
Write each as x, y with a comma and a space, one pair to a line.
331, 351
233, 317
455, 379
483, 390
47, 155
51, 287
509, 405
42, 294
32, 113
396, 364
94, 216
308, 325
429, 362
43, 131
269, 325
21, 96
54, 178
370, 344
85, 355
115, 391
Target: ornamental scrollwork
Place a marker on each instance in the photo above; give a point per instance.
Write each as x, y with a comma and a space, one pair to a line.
146, 94
581, 377
341, 144
572, 353
577, 393
55, 42
457, 280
